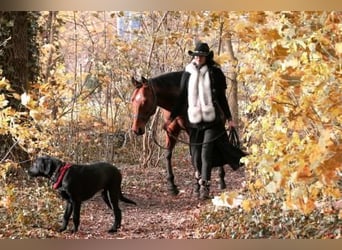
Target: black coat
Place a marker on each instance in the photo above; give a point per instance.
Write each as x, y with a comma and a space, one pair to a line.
218, 88
224, 152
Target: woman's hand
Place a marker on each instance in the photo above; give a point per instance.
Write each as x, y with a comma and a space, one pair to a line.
231, 124
167, 124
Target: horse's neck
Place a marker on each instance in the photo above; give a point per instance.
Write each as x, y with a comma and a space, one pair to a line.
167, 88
167, 98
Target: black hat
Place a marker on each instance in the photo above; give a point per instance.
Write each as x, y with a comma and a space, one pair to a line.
202, 49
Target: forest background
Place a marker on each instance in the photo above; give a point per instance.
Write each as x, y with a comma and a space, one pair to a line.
65, 91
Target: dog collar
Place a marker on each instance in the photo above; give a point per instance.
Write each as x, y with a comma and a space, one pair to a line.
61, 173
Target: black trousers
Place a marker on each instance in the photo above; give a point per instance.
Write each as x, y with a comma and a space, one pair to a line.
202, 144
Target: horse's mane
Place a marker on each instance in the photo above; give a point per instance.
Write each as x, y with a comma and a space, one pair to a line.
170, 79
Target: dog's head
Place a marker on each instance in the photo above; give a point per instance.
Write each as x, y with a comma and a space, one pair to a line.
44, 166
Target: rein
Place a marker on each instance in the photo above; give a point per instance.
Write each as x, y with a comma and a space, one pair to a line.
199, 143
186, 142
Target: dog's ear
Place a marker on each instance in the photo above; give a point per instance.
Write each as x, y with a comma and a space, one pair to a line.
46, 166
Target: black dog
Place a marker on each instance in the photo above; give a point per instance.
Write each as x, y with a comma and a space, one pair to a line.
77, 183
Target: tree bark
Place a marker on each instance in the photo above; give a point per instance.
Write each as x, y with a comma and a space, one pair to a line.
232, 79
16, 70
51, 29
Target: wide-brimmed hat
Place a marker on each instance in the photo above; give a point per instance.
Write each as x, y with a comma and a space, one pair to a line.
201, 49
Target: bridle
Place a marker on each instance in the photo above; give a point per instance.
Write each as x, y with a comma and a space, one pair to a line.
145, 117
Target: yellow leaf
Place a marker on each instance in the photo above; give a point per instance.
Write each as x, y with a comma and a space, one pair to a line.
271, 187
289, 204
246, 205
304, 174
257, 17
333, 192
271, 35
25, 99
314, 191
221, 59
255, 149
258, 184
16, 96
325, 139
306, 205
3, 101
230, 197
297, 124
338, 48
280, 51
4, 84
36, 115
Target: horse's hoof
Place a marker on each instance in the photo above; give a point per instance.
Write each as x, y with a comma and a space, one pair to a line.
222, 186
173, 191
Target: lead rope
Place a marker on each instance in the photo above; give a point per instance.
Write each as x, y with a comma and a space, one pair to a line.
185, 142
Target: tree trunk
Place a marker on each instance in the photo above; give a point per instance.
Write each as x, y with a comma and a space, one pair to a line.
233, 90
15, 60
50, 31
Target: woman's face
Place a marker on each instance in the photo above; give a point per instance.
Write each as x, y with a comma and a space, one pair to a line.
200, 60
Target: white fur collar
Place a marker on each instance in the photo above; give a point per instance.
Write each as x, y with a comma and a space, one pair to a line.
201, 107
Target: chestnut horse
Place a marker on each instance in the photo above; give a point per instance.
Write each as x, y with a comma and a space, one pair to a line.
161, 91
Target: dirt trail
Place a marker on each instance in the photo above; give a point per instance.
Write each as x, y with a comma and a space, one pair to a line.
158, 215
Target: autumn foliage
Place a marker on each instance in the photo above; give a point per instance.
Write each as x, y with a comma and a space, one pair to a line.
288, 67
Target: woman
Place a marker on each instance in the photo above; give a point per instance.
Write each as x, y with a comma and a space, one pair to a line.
203, 100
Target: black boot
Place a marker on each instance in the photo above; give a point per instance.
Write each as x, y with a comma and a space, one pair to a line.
197, 185
204, 190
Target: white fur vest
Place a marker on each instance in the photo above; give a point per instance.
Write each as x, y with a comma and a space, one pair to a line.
201, 107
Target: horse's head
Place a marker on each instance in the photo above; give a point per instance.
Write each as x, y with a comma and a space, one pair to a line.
144, 104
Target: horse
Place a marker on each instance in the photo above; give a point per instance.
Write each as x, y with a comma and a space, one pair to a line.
162, 91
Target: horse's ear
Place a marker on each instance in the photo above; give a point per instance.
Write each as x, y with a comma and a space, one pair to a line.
144, 80
135, 82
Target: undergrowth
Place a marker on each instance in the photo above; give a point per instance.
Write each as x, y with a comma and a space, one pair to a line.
268, 222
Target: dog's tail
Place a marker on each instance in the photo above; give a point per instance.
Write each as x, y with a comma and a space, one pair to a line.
124, 199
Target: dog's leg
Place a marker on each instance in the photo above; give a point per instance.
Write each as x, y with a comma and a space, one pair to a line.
104, 195
114, 202
76, 215
66, 216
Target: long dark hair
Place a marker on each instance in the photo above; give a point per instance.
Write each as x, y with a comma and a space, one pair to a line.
209, 60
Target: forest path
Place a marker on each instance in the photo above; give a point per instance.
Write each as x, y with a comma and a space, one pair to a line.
157, 215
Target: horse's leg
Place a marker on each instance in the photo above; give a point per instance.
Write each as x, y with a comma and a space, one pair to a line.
172, 188
222, 173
